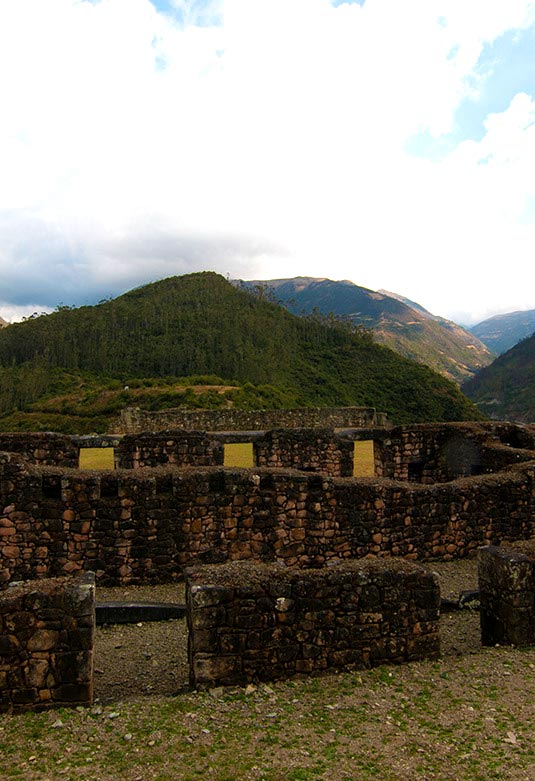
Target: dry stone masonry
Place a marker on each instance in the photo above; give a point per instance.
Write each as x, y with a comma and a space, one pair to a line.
147, 524
46, 643
46, 449
133, 420
264, 622
311, 450
292, 591
507, 594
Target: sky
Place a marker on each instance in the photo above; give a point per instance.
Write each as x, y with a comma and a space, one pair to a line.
385, 142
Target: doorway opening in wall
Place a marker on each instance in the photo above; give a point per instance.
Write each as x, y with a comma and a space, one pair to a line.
139, 658
238, 454
364, 458
96, 458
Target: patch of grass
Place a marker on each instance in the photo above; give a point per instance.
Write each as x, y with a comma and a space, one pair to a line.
439, 721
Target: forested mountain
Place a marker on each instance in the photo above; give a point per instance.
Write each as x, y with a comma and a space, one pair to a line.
502, 332
505, 390
396, 322
200, 324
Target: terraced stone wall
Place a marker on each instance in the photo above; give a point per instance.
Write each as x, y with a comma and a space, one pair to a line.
133, 420
263, 623
46, 643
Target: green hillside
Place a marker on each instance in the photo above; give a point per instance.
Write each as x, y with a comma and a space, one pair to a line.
505, 390
397, 323
200, 324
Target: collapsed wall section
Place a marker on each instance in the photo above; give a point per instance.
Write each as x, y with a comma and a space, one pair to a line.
265, 622
46, 643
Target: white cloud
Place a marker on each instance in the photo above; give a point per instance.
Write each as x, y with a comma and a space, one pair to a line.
138, 145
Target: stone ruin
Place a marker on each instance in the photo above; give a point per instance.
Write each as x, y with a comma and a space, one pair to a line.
261, 622
440, 491
47, 632
507, 594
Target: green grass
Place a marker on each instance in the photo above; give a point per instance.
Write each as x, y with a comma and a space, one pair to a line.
427, 720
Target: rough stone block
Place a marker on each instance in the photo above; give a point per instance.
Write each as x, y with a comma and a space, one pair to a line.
507, 594
46, 657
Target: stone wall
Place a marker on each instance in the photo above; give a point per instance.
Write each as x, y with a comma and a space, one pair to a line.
45, 449
311, 450
133, 420
178, 448
263, 623
46, 643
425, 453
146, 525
433, 453
507, 594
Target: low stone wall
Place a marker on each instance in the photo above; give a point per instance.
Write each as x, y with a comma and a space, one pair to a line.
507, 594
46, 643
44, 449
262, 623
179, 448
311, 450
133, 420
146, 525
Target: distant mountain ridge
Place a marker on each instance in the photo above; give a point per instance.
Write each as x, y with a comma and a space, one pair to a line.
502, 332
396, 322
412, 305
3, 322
505, 390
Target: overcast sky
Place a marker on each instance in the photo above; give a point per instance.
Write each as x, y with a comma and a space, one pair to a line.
390, 143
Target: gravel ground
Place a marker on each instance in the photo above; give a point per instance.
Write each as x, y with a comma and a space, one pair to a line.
468, 715
136, 660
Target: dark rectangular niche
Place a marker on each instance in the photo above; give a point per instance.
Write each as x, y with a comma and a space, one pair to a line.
109, 489
216, 481
51, 486
415, 472
164, 485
